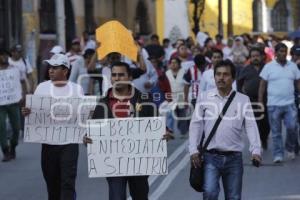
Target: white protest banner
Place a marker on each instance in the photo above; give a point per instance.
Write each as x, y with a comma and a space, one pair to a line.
57, 120
127, 147
10, 86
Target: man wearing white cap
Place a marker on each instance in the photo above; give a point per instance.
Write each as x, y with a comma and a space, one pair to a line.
59, 162
57, 49
17, 59
43, 69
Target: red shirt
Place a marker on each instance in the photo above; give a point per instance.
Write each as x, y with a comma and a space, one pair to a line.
119, 108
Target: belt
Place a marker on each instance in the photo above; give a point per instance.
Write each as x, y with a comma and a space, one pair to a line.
223, 153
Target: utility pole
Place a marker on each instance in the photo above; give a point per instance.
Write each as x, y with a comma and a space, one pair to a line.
229, 27
60, 23
220, 19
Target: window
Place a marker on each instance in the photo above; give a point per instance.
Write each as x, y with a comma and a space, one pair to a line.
10, 23
279, 16
257, 16
2, 24
47, 16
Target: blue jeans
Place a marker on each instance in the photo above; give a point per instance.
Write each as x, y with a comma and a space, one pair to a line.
230, 168
170, 120
288, 114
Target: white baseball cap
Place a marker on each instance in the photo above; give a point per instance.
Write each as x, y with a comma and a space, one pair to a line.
57, 49
59, 59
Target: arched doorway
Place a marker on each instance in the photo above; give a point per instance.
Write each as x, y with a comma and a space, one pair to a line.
279, 16
257, 16
142, 19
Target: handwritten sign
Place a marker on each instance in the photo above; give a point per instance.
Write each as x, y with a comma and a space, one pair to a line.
57, 120
10, 86
127, 147
114, 37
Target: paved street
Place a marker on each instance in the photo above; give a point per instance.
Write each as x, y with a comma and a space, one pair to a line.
22, 179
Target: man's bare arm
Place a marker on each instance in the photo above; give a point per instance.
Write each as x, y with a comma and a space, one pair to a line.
262, 90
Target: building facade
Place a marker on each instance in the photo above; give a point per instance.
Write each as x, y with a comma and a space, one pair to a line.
247, 16
33, 22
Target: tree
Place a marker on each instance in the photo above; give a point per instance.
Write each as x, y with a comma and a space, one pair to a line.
199, 6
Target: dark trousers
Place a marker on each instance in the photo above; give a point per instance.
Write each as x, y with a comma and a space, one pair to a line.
262, 124
138, 187
183, 123
12, 111
59, 166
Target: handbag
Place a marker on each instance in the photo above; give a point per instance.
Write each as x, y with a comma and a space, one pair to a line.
197, 174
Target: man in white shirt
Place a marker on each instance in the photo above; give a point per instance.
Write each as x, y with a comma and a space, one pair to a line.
59, 162
24, 66
74, 53
223, 156
278, 77
10, 96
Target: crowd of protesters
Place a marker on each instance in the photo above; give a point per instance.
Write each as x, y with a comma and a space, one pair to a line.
175, 73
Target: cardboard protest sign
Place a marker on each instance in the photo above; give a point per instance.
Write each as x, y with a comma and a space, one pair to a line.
114, 37
57, 120
10, 86
127, 147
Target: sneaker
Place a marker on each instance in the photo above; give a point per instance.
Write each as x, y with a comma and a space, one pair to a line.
6, 158
291, 155
278, 159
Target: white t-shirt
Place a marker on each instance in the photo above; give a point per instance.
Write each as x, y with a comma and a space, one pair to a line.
23, 65
177, 85
227, 53
150, 76
73, 57
47, 88
280, 82
90, 44
201, 37
186, 65
208, 80
79, 74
